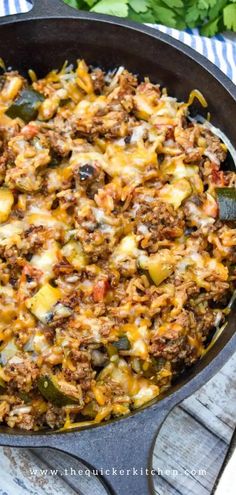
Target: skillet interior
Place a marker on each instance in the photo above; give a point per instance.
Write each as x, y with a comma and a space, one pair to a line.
49, 42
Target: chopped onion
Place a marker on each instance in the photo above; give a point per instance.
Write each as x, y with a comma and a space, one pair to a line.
20, 410
16, 360
212, 157
138, 133
112, 78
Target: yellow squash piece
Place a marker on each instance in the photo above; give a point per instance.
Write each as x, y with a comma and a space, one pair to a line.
126, 248
73, 252
42, 303
176, 192
160, 266
6, 202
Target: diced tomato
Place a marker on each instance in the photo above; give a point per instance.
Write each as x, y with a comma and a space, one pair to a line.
218, 176
100, 290
30, 130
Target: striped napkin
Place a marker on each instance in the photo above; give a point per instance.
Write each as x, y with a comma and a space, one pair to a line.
221, 49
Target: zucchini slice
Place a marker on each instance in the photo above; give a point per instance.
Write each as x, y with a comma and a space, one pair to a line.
26, 105
43, 302
159, 266
58, 391
73, 252
176, 192
226, 198
123, 344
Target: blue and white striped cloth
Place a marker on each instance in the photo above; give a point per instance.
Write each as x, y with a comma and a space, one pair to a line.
221, 49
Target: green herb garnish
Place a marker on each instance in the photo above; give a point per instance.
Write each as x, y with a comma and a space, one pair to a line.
211, 16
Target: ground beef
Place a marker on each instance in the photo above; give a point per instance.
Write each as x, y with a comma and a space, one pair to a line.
55, 416
97, 76
160, 219
214, 145
58, 143
82, 373
22, 375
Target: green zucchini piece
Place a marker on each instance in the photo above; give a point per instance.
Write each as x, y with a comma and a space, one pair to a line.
90, 410
25, 397
58, 391
155, 366
26, 105
111, 350
123, 344
226, 198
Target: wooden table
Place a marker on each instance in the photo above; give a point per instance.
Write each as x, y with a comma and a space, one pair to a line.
189, 451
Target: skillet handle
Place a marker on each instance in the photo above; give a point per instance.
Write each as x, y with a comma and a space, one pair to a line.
120, 452
43, 8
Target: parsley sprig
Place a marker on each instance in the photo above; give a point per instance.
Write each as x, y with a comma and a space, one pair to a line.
211, 16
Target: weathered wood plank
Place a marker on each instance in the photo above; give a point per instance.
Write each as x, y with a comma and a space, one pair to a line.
196, 436
69, 469
187, 456
21, 475
214, 404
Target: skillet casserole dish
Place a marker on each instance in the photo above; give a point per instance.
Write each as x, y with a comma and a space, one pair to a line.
117, 233
117, 258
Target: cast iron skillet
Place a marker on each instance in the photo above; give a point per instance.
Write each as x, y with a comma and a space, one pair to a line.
43, 39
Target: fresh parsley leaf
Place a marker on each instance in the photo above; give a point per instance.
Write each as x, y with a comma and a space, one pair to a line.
163, 15
147, 17
79, 4
217, 9
210, 28
90, 2
111, 7
173, 3
192, 16
72, 3
180, 23
139, 6
205, 4
229, 16
211, 16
